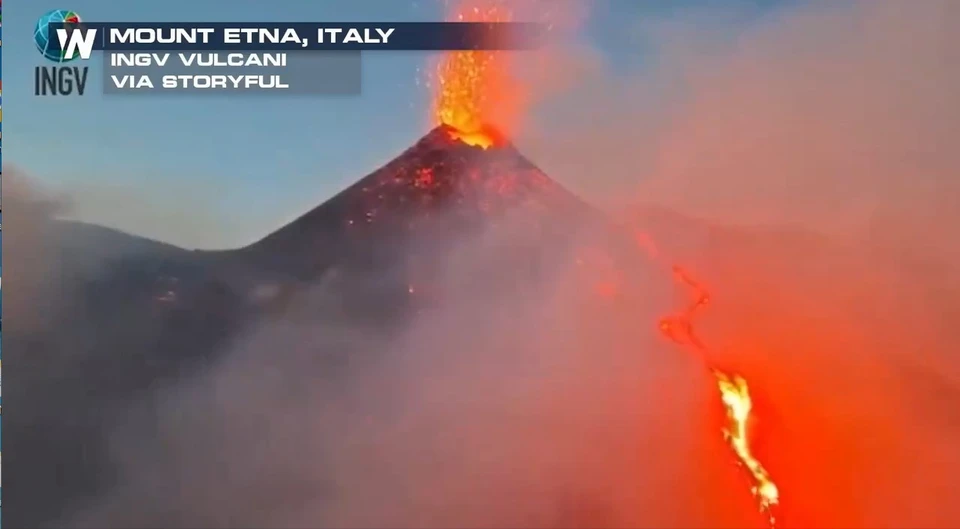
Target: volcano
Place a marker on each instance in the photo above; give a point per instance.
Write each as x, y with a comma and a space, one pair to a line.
441, 187
137, 316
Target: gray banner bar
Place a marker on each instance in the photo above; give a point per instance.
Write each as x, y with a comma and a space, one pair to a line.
235, 73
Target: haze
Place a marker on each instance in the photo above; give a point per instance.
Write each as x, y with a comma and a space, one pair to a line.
805, 171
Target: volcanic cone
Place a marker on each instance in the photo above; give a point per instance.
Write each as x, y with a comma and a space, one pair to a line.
439, 189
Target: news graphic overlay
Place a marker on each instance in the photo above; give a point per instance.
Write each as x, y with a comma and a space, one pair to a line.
241, 58
61, 38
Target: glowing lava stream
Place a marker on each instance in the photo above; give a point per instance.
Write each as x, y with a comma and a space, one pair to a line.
734, 392
466, 84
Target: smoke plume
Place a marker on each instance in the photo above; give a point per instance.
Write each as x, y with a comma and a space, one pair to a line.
824, 134
534, 407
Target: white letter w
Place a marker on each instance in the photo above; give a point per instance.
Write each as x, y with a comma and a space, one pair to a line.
82, 39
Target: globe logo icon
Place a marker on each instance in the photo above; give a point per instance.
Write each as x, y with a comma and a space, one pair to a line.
50, 48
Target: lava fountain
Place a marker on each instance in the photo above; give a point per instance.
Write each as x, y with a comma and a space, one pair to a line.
471, 87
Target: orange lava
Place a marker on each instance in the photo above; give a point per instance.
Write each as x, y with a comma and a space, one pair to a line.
479, 138
469, 83
736, 399
734, 392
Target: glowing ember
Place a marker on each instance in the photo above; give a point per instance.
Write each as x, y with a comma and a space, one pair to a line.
734, 393
424, 178
469, 82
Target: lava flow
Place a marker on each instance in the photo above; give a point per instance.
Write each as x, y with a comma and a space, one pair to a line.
734, 392
473, 86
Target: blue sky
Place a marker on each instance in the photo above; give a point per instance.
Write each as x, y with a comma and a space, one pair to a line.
244, 164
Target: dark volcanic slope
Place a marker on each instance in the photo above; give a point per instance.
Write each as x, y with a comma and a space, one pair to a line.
122, 317
440, 186
98, 319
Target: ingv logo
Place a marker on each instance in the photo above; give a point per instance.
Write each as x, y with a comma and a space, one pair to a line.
70, 40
